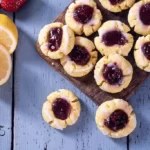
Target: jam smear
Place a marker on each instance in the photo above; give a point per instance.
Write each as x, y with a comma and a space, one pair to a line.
145, 14
61, 108
83, 13
146, 50
80, 55
112, 74
115, 2
54, 39
117, 120
111, 38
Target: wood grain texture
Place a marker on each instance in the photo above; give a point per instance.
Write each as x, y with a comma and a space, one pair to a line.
34, 80
87, 84
6, 111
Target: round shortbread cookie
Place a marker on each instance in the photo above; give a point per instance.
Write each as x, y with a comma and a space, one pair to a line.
114, 38
113, 73
82, 58
83, 16
139, 17
115, 118
142, 53
56, 40
117, 5
61, 109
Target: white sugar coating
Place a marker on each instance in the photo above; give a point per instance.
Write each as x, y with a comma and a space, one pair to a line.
48, 114
101, 33
82, 1
120, 26
66, 39
93, 22
125, 35
128, 71
82, 70
57, 124
44, 47
65, 98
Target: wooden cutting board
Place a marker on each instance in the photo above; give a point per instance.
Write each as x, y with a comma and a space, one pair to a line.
87, 84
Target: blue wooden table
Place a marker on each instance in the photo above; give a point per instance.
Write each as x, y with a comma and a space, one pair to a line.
21, 99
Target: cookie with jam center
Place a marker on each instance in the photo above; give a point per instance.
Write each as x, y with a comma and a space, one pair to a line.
117, 5
56, 40
142, 53
115, 118
139, 17
113, 73
82, 59
114, 38
83, 16
61, 109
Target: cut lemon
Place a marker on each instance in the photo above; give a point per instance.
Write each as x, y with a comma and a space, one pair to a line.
8, 33
5, 65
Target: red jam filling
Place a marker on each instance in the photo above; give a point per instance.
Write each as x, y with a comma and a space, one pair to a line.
83, 13
54, 39
61, 108
115, 2
111, 38
117, 120
112, 74
146, 50
145, 14
80, 55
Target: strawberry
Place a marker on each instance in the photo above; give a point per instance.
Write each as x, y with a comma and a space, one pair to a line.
12, 5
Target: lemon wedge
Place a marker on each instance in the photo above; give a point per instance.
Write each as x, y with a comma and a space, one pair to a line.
5, 65
8, 33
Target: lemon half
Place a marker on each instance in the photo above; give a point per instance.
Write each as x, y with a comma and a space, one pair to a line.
5, 65
8, 33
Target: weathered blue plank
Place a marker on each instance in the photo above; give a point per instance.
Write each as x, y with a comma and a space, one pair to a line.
140, 139
5, 115
35, 80
6, 111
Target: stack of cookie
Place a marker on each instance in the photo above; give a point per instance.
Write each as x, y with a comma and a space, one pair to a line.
113, 73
